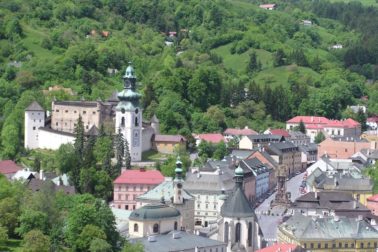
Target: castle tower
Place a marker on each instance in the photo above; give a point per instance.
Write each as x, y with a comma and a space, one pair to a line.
129, 115
34, 119
238, 226
177, 184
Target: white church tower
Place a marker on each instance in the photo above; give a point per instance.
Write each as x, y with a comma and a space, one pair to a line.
129, 115
177, 184
34, 119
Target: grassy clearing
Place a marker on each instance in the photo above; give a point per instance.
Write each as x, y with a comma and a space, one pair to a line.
238, 62
279, 75
33, 40
153, 155
364, 2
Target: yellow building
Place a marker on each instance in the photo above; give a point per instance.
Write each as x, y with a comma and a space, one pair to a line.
332, 233
167, 144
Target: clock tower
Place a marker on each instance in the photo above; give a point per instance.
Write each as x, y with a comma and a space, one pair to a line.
129, 115
177, 184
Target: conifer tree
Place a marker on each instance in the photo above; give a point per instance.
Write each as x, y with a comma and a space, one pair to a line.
120, 153
302, 127
79, 151
88, 156
127, 155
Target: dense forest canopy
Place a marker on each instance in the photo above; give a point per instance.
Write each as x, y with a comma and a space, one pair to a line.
231, 63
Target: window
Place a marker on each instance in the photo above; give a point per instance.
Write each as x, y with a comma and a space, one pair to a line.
237, 232
94, 112
133, 207
362, 245
334, 245
75, 111
84, 112
155, 228
326, 245
207, 206
305, 245
56, 123
175, 226
134, 188
33, 128
198, 205
57, 110
312, 245
249, 234
135, 227
340, 245
226, 227
141, 188
136, 122
127, 207
368, 245
319, 245
346, 245
346, 150
123, 121
119, 196
66, 111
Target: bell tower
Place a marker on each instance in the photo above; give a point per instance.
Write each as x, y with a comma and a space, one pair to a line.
177, 183
129, 114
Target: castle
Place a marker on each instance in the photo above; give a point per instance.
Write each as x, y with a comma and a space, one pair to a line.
121, 111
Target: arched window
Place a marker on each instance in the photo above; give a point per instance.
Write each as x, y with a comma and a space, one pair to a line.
123, 121
175, 226
226, 230
249, 234
237, 232
156, 228
136, 121
135, 227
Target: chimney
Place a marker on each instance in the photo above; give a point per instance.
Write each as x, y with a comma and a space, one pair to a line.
41, 174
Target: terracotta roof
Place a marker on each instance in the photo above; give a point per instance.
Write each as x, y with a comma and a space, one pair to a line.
373, 198
347, 123
282, 247
9, 167
240, 132
308, 120
372, 119
169, 138
280, 132
152, 177
34, 106
211, 137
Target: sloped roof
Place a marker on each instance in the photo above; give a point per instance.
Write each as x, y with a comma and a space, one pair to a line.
280, 132
211, 137
239, 132
237, 206
154, 119
327, 228
282, 247
8, 167
165, 189
309, 120
209, 182
170, 138
93, 131
152, 177
34, 106
373, 198
255, 165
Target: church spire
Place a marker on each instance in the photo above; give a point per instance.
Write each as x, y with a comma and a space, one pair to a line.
129, 78
178, 170
129, 97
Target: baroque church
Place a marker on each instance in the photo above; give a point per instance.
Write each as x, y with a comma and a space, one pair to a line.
121, 111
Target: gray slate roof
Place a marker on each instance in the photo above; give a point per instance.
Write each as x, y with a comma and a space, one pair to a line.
281, 147
328, 229
237, 205
34, 106
185, 242
212, 183
265, 138
254, 165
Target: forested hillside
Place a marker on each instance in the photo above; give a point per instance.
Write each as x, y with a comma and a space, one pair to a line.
231, 64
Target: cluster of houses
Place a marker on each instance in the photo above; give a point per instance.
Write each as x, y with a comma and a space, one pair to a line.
212, 207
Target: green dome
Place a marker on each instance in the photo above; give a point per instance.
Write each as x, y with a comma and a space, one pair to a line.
154, 212
239, 171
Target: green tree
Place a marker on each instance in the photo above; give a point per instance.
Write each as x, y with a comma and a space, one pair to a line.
36, 241
137, 247
253, 64
3, 235
302, 127
30, 220
89, 233
220, 151
100, 245
127, 155
361, 118
119, 143
89, 159
279, 58
319, 137
79, 138
66, 158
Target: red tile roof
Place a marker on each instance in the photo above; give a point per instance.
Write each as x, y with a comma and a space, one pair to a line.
9, 167
373, 198
280, 132
347, 123
151, 177
170, 138
309, 120
282, 247
211, 137
239, 132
